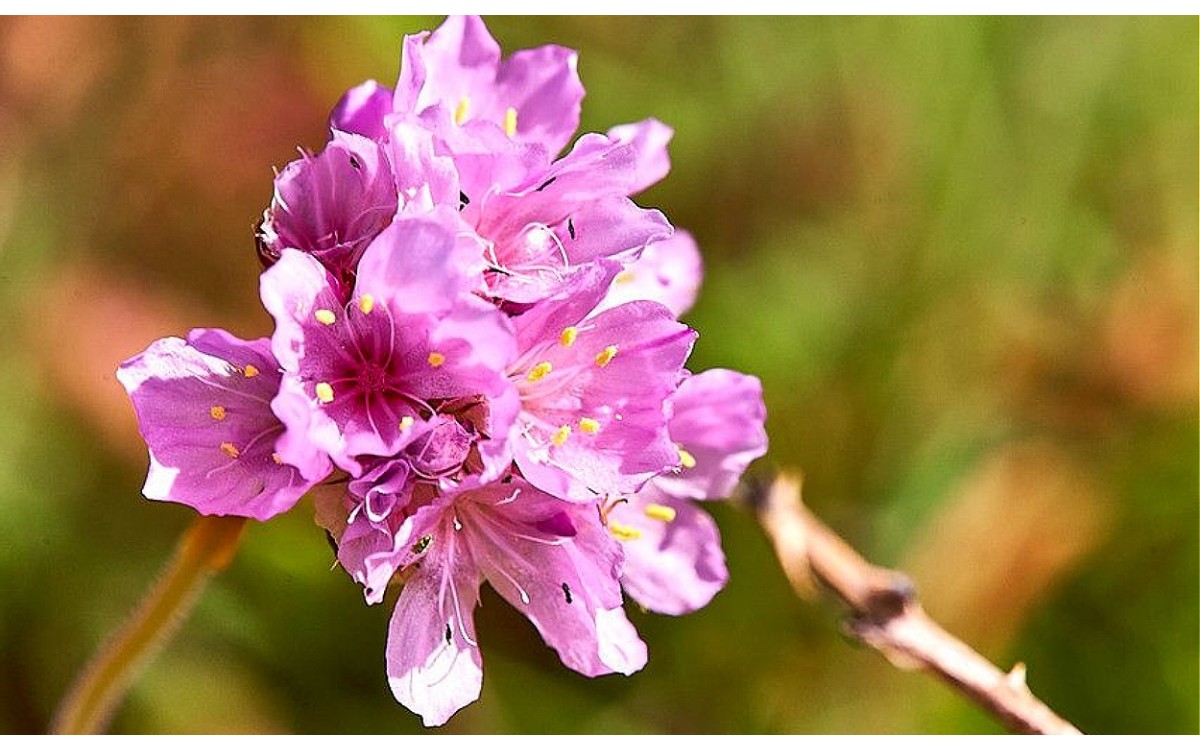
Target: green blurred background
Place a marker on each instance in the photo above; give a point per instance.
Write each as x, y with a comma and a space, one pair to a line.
960, 253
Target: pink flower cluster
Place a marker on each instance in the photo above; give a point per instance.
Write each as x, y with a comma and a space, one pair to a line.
476, 339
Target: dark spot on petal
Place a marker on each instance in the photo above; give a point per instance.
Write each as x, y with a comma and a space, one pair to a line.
354, 162
421, 545
449, 634
571, 228
463, 200
567, 592
546, 184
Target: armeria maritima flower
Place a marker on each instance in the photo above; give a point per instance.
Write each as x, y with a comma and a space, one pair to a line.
476, 346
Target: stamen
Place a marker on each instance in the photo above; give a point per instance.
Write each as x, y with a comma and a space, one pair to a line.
561, 434
217, 413
539, 371
568, 335
687, 459
625, 277
663, 513
325, 317
250, 371
277, 458
437, 359
405, 423
461, 111
324, 392
606, 356
366, 303
510, 122
589, 425
229, 449
623, 532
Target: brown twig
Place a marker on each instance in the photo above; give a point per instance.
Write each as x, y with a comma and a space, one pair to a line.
885, 615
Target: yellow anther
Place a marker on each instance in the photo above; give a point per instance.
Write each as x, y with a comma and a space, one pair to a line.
663, 513
277, 458
406, 422
687, 459
568, 335
462, 110
325, 316
217, 412
625, 277
366, 303
561, 434
437, 359
606, 356
229, 449
623, 532
249, 371
324, 392
539, 371
510, 121
589, 425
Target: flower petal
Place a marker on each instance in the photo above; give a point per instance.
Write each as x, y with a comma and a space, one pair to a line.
673, 559
433, 662
362, 109
718, 420
203, 407
668, 271
565, 584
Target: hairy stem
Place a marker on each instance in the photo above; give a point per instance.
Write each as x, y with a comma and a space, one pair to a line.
205, 548
885, 615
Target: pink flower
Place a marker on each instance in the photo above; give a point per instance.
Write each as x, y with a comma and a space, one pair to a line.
204, 409
674, 563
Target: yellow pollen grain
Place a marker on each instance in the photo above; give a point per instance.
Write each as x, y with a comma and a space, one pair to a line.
324, 392
437, 359
510, 121
687, 459
561, 434
606, 356
217, 412
406, 422
462, 110
625, 277
325, 317
589, 425
539, 371
623, 532
250, 371
366, 303
229, 449
660, 512
277, 458
568, 335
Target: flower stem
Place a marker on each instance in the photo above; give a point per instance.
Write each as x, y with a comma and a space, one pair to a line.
204, 549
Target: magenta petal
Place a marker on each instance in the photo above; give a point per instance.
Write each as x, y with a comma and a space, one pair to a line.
718, 419
649, 139
566, 585
203, 407
675, 564
433, 662
362, 109
669, 272
421, 264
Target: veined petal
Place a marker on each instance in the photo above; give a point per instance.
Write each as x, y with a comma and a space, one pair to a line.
673, 558
555, 563
717, 420
433, 662
204, 409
